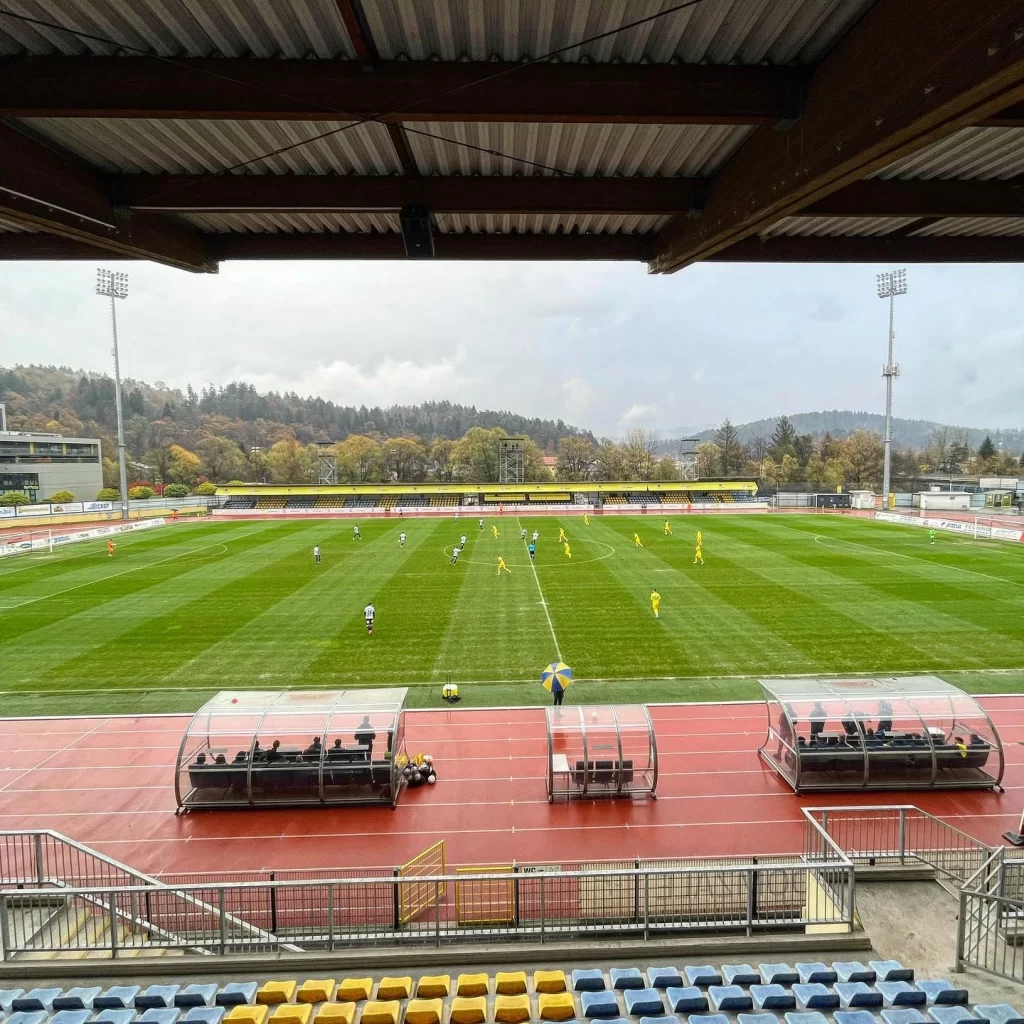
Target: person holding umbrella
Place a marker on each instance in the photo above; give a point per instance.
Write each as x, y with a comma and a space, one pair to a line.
556, 679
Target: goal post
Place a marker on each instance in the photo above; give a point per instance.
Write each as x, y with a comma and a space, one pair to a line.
27, 542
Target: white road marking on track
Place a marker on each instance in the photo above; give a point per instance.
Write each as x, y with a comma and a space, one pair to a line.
544, 604
113, 575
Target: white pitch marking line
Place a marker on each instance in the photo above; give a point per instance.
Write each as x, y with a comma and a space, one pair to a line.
543, 603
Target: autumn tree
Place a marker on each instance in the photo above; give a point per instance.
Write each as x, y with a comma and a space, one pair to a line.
221, 459
404, 459
289, 462
440, 459
575, 458
359, 457
639, 448
863, 453
184, 465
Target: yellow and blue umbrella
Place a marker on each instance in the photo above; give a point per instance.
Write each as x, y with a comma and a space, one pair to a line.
557, 677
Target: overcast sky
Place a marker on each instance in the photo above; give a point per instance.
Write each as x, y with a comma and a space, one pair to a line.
604, 346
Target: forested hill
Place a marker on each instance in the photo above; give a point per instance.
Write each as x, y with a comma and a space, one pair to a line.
843, 422
75, 399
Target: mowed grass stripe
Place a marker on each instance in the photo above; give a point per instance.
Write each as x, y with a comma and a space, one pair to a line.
899, 634
181, 634
37, 656
283, 638
116, 585
497, 627
717, 634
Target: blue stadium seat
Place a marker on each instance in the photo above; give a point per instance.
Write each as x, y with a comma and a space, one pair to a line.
729, 997
7, 996
641, 1002
237, 993
114, 1015
659, 1020
710, 1018
891, 970
701, 975
688, 999
853, 970
778, 974
160, 1015
205, 1015
663, 977
900, 993
599, 1004
910, 1016
196, 995
35, 999
999, 1013
853, 994
589, 980
816, 972
772, 997
939, 991
70, 1017
740, 974
805, 1017
626, 977
952, 1015
78, 998
156, 997
117, 997
815, 997
854, 1017
757, 1018
28, 1017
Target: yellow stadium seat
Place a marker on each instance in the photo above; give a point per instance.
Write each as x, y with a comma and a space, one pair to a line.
247, 1014
292, 1013
510, 983
471, 985
424, 1011
556, 1006
394, 988
316, 990
381, 1011
512, 1009
336, 1013
469, 1010
352, 990
272, 992
549, 981
433, 986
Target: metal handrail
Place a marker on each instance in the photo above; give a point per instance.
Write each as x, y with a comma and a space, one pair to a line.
856, 810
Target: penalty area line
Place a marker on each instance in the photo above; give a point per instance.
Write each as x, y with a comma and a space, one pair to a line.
543, 603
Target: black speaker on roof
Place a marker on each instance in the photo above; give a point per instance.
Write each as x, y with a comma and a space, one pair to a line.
417, 231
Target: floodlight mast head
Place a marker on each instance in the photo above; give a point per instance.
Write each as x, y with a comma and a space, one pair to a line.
111, 283
892, 283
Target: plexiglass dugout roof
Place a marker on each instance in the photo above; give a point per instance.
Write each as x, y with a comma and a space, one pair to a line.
272, 748
883, 733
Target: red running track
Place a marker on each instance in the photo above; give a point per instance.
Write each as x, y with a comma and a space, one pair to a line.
108, 782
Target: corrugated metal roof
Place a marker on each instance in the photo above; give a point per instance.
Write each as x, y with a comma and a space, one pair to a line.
972, 153
989, 226
589, 149
715, 31
181, 28
17, 229
291, 223
194, 147
590, 224
836, 227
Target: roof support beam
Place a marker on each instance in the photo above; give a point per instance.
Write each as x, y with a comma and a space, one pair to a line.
408, 90
933, 198
883, 249
233, 193
1011, 117
45, 191
907, 75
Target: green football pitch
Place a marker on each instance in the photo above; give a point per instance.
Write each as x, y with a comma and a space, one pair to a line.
183, 611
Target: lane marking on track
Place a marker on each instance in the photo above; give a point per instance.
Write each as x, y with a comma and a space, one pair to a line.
67, 590
543, 603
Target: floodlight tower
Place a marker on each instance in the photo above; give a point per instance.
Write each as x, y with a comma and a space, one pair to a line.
115, 286
890, 284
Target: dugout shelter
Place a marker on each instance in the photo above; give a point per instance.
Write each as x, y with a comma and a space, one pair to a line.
601, 751
914, 732
260, 748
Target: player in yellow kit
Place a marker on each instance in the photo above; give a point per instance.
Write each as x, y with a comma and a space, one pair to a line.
698, 555
567, 550
655, 602
586, 519
700, 538
494, 531
668, 528
561, 536
502, 565
636, 540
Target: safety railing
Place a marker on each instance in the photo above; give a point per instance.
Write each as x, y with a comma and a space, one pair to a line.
990, 934
346, 912
900, 835
59, 894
